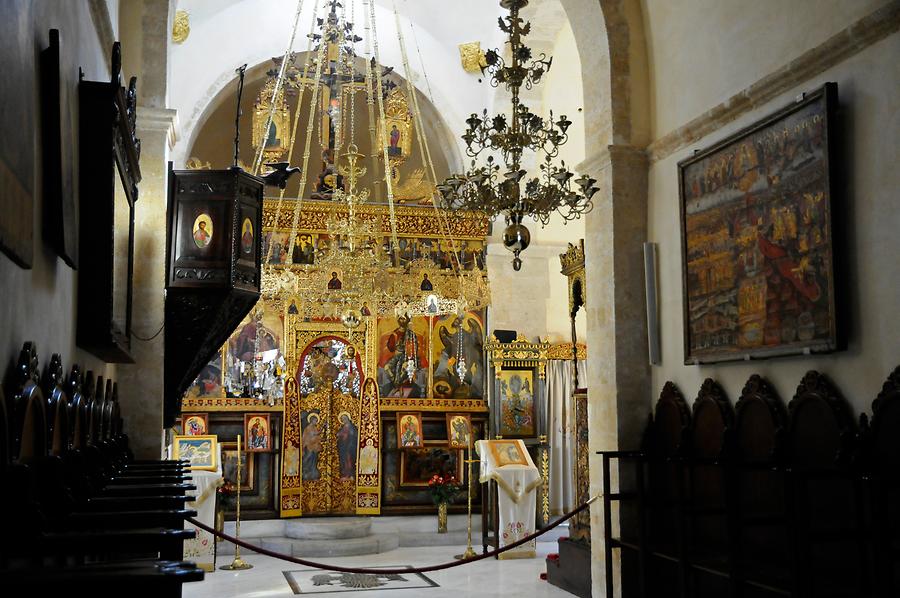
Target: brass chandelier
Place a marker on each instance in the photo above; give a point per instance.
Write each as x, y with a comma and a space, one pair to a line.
497, 188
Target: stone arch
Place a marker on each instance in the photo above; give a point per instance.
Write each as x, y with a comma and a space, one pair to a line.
610, 40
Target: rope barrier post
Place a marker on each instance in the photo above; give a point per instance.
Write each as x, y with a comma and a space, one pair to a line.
237, 564
469, 552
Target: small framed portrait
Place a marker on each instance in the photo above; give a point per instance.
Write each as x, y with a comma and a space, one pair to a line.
257, 433
203, 230
459, 430
334, 282
201, 451
194, 424
409, 430
508, 452
229, 466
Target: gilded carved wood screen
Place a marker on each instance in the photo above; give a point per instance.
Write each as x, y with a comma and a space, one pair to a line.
330, 420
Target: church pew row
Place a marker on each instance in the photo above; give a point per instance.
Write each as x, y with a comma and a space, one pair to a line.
85, 514
760, 499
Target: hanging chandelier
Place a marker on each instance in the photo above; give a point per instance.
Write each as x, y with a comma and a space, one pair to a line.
496, 186
359, 272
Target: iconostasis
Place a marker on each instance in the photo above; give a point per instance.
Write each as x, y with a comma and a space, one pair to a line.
332, 392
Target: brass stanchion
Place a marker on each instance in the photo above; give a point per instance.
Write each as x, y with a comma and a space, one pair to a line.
470, 552
237, 564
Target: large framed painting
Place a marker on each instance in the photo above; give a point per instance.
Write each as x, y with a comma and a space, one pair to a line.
417, 466
517, 408
756, 221
456, 339
229, 466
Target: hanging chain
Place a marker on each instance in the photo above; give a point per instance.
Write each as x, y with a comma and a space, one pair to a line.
395, 246
424, 148
279, 82
304, 170
281, 192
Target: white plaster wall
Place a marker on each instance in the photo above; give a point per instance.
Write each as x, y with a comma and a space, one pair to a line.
869, 93
40, 304
701, 52
229, 34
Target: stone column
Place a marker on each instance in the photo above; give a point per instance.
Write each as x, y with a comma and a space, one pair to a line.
141, 384
144, 27
619, 373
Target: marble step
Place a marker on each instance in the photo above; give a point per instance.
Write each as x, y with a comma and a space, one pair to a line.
328, 528
372, 544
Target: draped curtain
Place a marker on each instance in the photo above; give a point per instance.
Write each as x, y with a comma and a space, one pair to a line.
561, 426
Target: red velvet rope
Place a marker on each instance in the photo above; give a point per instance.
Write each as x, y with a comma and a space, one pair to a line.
398, 571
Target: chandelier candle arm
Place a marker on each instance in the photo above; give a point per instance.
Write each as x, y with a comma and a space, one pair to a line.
497, 188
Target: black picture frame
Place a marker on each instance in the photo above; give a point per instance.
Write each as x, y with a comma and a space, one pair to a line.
757, 240
109, 173
17, 121
59, 121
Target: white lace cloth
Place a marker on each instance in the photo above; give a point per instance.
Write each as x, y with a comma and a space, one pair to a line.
517, 498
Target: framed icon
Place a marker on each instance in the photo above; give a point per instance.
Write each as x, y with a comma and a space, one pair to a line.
257, 433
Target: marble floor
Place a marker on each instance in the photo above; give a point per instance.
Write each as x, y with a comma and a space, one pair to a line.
486, 578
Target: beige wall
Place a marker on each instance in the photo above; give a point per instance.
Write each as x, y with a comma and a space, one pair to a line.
701, 52
535, 301
40, 304
704, 52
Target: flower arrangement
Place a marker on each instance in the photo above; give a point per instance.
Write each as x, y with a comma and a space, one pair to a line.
443, 488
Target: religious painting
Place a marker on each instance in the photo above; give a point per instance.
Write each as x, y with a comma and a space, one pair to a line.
517, 412
275, 247
459, 430
200, 451
758, 263
417, 466
202, 230
330, 362
334, 283
194, 424
403, 360
397, 127
458, 356
347, 437
303, 251
257, 432
409, 430
312, 428
209, 381
368, 458
507, 452
17, 122
229, 466
247, 236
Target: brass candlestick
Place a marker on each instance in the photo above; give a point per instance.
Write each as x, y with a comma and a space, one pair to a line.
237, 564
470, 552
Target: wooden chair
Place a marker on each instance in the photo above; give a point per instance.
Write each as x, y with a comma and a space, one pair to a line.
820, 445
880, 459
760, 513
710, 555
50, 548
